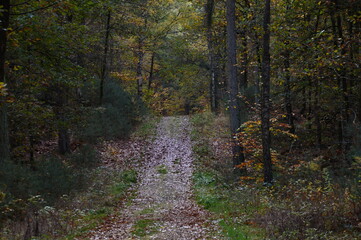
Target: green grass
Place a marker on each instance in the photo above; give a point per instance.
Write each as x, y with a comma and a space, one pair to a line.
161, 169
144, 227
147, 128
232, 207
177, 161
105, 205
146, 211
128, 178
91, 220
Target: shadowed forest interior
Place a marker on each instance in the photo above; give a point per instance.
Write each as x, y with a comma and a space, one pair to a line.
268, 92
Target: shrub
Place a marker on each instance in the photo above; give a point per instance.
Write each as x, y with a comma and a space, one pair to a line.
116, 117
302, 206
49, 178
87, 156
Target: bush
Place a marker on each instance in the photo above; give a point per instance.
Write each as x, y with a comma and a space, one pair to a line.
303, 206
87, 156
116, 117
48, 179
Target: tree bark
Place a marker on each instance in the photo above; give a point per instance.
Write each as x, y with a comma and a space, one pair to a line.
63, 139
104, 70
238, 155
317, 115
243, 83
211, 56
288, 101
140, 68
4, 128
63, 131
336, 21
258, 74
243, 79
266, 104
151, 73
344, 87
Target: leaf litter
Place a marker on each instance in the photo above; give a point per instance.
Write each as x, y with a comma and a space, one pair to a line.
164, 206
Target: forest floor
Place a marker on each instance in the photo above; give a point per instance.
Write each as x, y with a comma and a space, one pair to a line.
163, 205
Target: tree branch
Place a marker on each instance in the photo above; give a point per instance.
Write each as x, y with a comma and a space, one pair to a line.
35, 10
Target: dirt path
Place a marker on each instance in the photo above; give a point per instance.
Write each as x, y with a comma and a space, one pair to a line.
163, 207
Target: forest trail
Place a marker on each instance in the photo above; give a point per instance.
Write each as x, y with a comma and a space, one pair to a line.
164, 207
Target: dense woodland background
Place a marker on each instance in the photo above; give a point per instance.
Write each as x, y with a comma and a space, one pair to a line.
74, 73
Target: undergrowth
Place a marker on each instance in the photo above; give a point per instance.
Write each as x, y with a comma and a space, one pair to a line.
232, 207
75, 214
306, 202
64, 198
147, 128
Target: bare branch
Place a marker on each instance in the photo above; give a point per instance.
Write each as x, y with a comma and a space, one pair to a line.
35, 10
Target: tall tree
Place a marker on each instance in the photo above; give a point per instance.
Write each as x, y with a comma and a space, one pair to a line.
265, 102
211, 55
287, 91
140, 55
4, 130
103, 73
237, 150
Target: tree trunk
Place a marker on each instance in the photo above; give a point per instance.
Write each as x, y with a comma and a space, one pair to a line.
63, 132
4, 134
211, 56
4, 128
288, 101
151, 73
140, 68
63, 140
243, 83
266, 104
317, 115
258, 74
243, 79
310, 106
342, 82
104, 70
344, 88
238, 156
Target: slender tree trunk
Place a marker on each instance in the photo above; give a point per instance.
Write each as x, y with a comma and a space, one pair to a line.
4, 134
104, 70
266, 104
63, 131
140, 54
344, 87
31, 151
310, 105
352, 77
238, 156
4, 128
151, 73
258, 74
304, 100
244, 64
211, 56
288, 101
288, 92
63, 139
337, 30
243, 83
317, 115
243, 80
